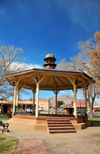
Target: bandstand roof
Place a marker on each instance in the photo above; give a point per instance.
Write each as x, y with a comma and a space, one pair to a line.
52, 79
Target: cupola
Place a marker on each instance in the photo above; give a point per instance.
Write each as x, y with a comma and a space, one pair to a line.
50, 61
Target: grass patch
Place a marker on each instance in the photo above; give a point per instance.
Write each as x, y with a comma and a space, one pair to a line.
98, 139
8, 145
4, 117
93, 119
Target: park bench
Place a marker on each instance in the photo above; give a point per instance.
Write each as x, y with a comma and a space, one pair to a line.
5, 126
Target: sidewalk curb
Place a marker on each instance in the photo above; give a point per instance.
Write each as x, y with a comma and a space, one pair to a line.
19, 147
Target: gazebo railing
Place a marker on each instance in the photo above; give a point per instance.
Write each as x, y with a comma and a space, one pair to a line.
80, 112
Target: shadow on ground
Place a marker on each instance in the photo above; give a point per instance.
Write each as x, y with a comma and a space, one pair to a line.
96, 123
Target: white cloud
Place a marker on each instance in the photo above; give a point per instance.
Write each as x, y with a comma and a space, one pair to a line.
15, 66
62, 91
81, 13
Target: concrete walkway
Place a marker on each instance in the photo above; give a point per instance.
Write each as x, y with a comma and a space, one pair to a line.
41, 142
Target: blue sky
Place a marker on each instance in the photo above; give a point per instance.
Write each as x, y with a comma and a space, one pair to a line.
40, 27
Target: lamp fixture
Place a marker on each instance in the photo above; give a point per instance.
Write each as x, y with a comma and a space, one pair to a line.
76, 81
13, 83
37, 79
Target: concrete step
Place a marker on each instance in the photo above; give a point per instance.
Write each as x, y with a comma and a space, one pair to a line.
58, 122
59, 125
62, 131
61, 128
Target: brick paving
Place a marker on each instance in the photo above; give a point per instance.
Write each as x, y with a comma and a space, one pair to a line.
41, 142
32, 146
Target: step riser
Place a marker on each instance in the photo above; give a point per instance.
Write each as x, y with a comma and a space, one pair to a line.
62, 131
58, 122
58, 119
59, 125
61, 128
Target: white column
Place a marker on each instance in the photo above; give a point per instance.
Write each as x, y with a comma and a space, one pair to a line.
17, 95
33, 101
37, 80
75, 101
85, 101
56, 103
14, 101
37, 98
56, 92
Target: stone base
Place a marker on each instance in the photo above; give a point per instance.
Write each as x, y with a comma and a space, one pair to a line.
33, 123
30, 124
80, 126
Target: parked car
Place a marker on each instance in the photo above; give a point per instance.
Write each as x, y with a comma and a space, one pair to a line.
41, 109
80, 113
28, 110
96, 110
83, 113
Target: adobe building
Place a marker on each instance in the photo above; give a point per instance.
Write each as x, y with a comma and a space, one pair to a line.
6, 107
50, 79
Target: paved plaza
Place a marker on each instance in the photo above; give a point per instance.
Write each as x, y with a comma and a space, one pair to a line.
41, 142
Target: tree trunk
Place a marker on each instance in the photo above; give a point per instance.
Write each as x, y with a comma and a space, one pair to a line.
91, 110
91, 105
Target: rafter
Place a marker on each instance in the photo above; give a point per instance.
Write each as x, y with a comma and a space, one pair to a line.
65, 78
61, 81
47, 81
42, 78
20, 87
54, 81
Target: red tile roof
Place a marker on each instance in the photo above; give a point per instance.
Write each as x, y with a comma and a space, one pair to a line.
80, 104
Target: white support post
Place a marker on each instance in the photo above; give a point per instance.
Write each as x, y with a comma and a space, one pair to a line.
33, 101
37, 98
56, 92
37, 80
85, 101
75, 102
56, 103
14, 101
17, 95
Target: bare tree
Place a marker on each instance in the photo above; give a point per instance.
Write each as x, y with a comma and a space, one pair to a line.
88, 61
7, 56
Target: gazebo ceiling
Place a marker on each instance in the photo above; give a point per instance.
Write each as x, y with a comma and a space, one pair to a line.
50, 79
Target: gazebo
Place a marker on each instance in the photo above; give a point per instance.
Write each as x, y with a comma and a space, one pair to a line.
50, 79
